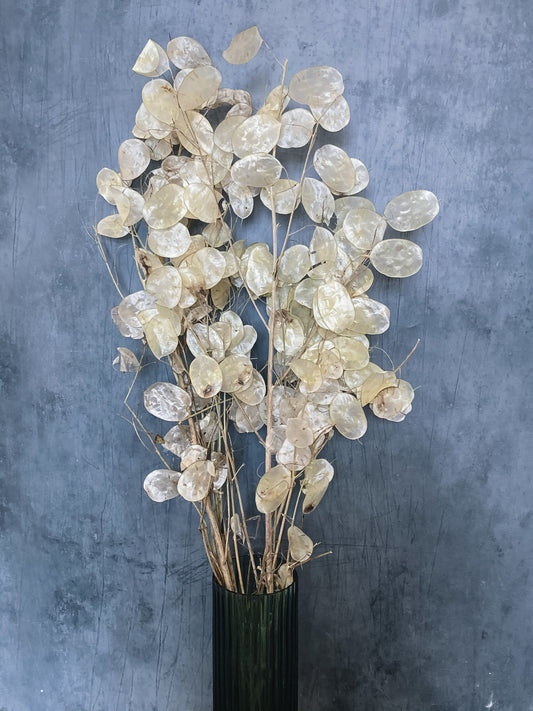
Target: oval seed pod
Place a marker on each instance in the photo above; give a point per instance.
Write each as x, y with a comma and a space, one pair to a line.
162, 484
411, 210
257, 134
167, 402
206, 376
199, 88
272, 489
187, 52
364, 228
111, 226
393, 403
257, 170
335, 168
160, 99
296, 128
316, 85
317, 476
133, 158
334, 116
284, 194
165, 208
300, 545
243, 47
237, 373
162, 328
172, 242
332, 307
396, 258
165, 284
196, 480
348, 416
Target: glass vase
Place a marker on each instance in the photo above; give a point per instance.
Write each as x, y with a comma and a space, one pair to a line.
255, 650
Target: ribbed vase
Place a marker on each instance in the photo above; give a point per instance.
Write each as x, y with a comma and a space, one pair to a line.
255, 650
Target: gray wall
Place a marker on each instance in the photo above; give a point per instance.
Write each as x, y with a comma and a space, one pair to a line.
426, 601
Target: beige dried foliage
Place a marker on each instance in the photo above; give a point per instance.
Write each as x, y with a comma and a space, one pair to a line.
198, 159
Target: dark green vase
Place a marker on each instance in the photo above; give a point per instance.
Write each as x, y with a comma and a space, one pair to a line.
255, 650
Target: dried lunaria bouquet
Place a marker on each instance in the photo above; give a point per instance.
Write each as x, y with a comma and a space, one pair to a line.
199, 162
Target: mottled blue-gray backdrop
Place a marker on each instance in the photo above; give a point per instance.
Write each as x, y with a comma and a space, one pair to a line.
426, 602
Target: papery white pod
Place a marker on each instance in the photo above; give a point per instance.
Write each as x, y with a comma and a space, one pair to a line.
319, 419
255, 392
375, 383
236, 325
243, 47
296, 128
133, 158
334, 116
187, 52
176, 440
300, 545
196, 480
393, 403
241, 109
146, 261
283, 577
221, 475
195, 133
160, 148
411, 210
247, 343
325, 394
162, 484
131, 305
167, 402
152, 61
288, 335
353, 353
308, 372
247, 417
295, 458
146, 123
237, 373
201, 202
289, 404
371, 317
364, 228
343, 205
257, 267
165, 208
206, 376
127, 361
241, 199
299, 432
258, 170
272, 489
317, 200
165, 284
199, 88
305, 291
360, 282
193, 453
220, 293
160, 99
162, 328
317, 476
362, 178
111, 226
332, 307
294, 264
257, 134
172, 242
316, 86
216, 234
285, 195
348, 416
275, 102
354, 379
107, 181
225, 130
335, 168
396, 258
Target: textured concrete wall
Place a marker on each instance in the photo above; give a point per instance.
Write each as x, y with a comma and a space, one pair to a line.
426, 601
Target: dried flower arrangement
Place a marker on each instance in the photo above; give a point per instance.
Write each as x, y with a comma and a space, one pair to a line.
199, 160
